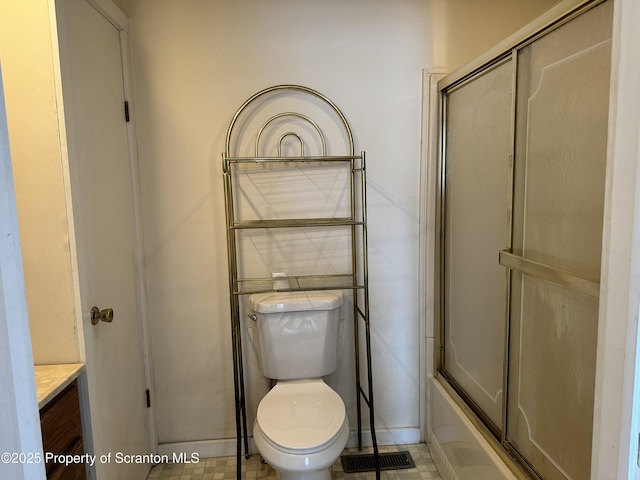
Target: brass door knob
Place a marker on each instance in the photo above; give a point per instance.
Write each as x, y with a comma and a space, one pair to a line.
105, 315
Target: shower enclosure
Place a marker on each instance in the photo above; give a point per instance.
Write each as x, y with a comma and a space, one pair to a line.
522, 177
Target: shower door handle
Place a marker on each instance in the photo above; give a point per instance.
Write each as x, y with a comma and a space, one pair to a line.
97, 315
565, 278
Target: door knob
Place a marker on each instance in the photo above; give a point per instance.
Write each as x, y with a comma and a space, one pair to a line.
105, 315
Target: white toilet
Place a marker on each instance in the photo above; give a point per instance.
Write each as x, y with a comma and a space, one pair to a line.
301, 426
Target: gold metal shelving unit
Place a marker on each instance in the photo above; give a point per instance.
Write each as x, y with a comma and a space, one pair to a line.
354, 280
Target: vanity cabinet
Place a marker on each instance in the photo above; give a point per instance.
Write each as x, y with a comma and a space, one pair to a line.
62, 433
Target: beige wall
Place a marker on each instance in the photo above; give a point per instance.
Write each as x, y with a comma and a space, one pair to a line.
194, 64
366, 56
28, 69
463, 29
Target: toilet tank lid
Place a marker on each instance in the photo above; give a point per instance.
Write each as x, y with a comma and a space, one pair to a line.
277, 302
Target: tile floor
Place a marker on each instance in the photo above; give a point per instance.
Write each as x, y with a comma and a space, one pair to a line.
224, 468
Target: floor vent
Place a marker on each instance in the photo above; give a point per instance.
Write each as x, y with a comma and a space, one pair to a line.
367, 462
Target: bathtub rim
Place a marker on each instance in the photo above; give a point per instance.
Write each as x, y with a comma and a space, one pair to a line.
499, 456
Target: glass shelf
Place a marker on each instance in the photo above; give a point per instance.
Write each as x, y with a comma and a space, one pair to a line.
296, 222
332, 158
296, 283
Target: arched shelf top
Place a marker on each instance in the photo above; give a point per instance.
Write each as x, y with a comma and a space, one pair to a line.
290, 88
292, 115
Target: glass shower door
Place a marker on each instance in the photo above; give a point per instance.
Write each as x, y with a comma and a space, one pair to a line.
522, 180
561, 142
477, 175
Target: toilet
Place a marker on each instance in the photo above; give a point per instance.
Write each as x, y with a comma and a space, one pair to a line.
301, 425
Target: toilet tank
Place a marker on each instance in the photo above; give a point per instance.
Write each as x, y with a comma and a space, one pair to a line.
297, 333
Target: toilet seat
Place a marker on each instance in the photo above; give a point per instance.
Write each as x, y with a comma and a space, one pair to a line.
301, 416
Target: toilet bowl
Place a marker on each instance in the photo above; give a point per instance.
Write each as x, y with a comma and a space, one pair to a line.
300, 429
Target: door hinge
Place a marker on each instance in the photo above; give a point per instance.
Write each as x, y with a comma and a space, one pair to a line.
148, 398
126, 111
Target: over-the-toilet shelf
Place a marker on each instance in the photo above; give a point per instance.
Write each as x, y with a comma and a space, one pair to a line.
283, 205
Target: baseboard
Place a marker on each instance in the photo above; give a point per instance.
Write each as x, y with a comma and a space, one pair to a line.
227, 447
392, 436
204, 448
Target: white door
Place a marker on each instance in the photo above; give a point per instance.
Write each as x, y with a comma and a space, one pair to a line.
93, 91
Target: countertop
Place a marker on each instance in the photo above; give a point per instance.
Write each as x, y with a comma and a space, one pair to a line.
52, 379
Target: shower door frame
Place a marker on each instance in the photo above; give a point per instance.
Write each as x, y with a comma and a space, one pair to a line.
449, 381
505, 52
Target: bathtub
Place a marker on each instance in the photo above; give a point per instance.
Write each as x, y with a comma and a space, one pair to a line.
458, 449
